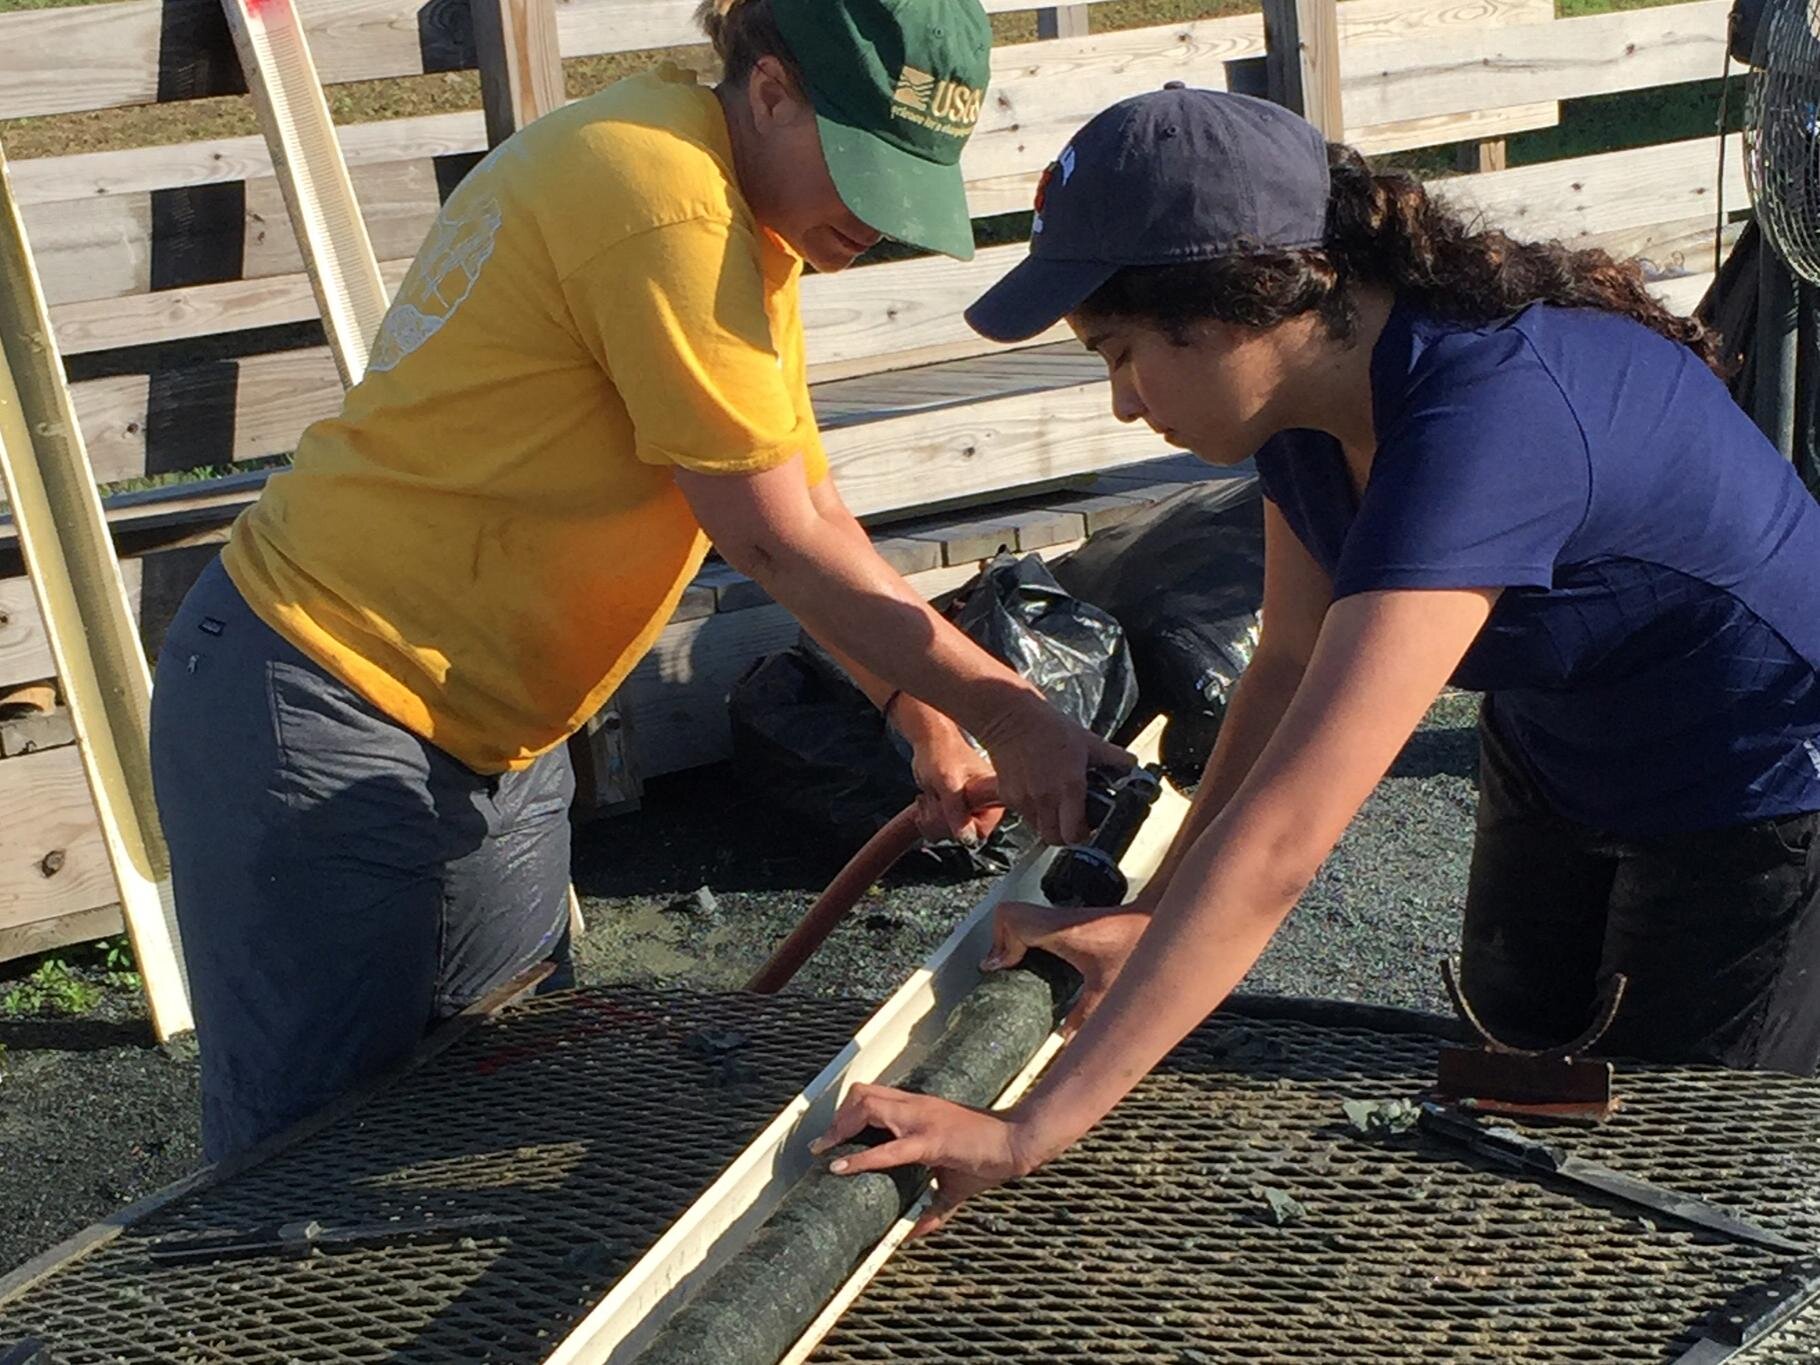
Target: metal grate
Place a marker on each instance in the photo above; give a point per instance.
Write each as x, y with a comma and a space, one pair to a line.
595, 1116
1152, 1240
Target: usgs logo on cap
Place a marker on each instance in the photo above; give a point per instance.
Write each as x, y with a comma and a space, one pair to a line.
947, 106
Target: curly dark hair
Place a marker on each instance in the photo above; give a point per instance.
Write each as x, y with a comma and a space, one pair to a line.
1384, 229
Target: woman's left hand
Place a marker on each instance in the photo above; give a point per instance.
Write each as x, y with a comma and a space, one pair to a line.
968, 1150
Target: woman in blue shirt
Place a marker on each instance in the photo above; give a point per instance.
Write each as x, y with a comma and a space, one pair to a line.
1496, 465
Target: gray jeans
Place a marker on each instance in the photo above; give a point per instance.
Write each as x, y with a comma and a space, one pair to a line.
341, 884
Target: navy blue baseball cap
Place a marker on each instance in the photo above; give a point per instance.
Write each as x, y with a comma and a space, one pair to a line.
1158, 179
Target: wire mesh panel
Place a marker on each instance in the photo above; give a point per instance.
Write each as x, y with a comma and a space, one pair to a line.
590, 1119
1226, 1211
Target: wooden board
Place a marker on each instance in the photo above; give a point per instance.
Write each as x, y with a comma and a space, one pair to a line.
588, 27
883, 465
47, 935
93, 637
1612, 192
1684, 292
52, 861
25, 653
907, 312
103, 249
91, 176
102, 56
1569, 58
306, 161
1302, 38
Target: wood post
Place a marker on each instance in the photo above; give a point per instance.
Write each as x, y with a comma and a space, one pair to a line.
1302, 60
46, 475
313, 175
1485, 154
1065, 21
520, 63
521, 81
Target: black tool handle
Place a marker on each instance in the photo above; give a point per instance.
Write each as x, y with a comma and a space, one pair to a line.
1132, 799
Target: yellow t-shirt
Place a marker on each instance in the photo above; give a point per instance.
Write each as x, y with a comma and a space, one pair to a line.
489, 536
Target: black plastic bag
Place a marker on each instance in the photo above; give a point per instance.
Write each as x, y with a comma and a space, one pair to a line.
1185, 579
822, 754
1075, 652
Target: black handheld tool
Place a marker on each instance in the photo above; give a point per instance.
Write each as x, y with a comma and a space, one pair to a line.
1117, 805
1754, 1314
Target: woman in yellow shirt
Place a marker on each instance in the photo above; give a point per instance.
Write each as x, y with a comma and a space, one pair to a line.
593, 369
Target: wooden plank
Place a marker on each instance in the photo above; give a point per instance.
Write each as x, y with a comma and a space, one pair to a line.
1436, 129
676, 696
306, 161
982, 447
520, 67
1044, 91
1607, 193
53, 861
94, 641
1302, 55
1683, 292
47, 935
857, 319
66, 60
1483, 155
88, 176
1568, 58
102, 56
594, 27
1666, 250
886, 1045
1065, 21
25, 651
25, 655
203, 310
884, 464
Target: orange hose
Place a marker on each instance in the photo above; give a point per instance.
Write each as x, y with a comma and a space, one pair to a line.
897, 838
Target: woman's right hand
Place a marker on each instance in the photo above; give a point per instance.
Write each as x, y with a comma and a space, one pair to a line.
1095, 942
1042, 759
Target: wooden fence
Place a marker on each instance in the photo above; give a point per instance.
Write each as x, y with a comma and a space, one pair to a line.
179, 300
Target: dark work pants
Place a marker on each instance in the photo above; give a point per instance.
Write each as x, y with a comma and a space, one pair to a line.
341, 885
1718, 931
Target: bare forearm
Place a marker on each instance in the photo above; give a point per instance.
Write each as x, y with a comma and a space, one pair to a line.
1258, 701
1204, 936
860, 609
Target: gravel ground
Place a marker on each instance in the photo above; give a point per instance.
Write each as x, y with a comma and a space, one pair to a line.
93, 1115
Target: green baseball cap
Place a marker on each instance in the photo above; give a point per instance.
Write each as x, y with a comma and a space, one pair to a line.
897, 86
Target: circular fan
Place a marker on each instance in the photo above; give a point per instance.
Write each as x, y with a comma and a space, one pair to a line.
1782, 131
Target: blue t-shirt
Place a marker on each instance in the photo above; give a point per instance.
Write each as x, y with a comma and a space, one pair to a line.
1652, 658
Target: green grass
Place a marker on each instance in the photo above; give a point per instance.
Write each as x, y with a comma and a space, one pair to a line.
51, 989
